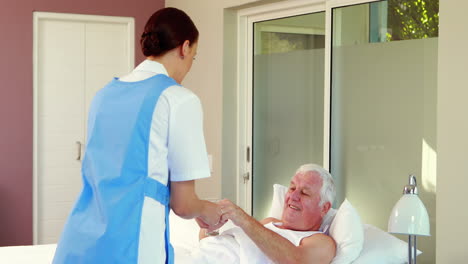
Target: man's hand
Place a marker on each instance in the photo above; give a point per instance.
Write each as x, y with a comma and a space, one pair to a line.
231, 211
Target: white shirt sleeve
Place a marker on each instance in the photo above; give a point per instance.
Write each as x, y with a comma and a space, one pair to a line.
187, 156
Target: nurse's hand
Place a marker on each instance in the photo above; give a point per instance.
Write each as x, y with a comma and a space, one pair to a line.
186, 204
201, 223
207, 229
210, 216
206, 226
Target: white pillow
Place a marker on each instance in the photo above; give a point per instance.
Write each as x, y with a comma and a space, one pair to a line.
382, 247
277, 203
348, 233
327, 220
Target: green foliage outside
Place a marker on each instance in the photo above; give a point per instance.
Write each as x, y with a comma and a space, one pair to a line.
415, 19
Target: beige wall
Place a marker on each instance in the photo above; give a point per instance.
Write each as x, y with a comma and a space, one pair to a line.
452, 134
206, 79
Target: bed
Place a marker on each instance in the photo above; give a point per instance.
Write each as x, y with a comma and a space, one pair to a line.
357, 243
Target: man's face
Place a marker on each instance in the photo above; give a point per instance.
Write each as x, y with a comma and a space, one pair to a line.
301, 206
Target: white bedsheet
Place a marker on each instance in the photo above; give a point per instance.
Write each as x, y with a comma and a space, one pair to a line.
43, 254
217, 249
233, 248
39, 254
184, 237
188, 249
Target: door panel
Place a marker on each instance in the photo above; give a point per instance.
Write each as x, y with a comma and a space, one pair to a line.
60, 118
75, 56
107, 55
288, 99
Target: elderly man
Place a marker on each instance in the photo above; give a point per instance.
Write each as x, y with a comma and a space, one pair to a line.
295, 238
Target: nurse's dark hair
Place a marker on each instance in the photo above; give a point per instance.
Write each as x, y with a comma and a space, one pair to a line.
165, 30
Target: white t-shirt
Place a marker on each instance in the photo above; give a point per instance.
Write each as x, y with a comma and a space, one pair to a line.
234, 246
177, 145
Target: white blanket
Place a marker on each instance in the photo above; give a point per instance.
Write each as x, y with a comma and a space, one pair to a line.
233, 246
216, 249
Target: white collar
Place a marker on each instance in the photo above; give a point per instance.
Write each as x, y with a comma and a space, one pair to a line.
151, 66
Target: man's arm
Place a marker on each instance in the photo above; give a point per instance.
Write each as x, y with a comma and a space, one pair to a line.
318, 248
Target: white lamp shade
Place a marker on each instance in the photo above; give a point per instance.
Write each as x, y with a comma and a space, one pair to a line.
409, 216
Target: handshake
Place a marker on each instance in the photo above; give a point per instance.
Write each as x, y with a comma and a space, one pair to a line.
216, 214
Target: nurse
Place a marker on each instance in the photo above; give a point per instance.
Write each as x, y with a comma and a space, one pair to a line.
145, 148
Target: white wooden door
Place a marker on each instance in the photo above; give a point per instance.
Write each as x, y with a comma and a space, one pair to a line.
74, 56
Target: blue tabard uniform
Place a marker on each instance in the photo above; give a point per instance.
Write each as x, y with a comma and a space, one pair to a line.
104, 226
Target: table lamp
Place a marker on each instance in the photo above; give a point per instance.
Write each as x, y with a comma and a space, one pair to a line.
409, 217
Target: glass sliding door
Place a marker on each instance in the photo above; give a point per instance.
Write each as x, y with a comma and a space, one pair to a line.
288, 83
383, 107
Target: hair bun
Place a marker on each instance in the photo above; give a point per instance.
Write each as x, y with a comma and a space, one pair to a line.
150, 43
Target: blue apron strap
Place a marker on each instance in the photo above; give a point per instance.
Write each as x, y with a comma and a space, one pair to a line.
157, 191
162, 194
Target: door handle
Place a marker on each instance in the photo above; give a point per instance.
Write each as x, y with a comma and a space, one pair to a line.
246, 176
78, 144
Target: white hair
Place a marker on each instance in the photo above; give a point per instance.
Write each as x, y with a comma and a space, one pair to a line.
327, 192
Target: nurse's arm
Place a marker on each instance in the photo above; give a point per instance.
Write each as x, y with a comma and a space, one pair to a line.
186, 204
